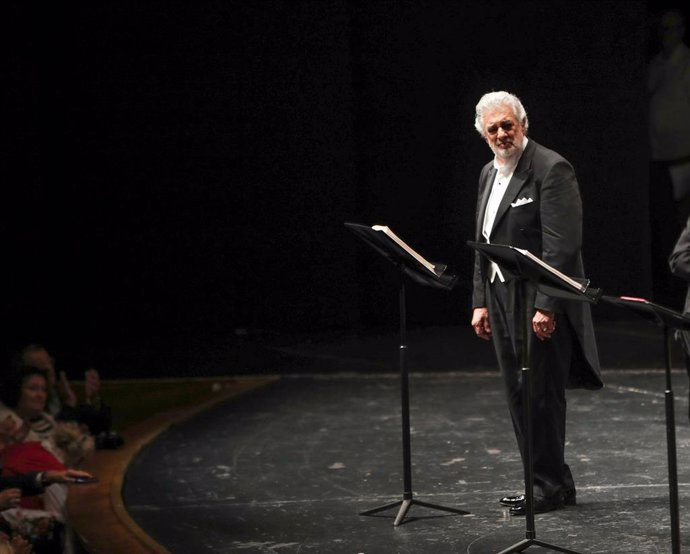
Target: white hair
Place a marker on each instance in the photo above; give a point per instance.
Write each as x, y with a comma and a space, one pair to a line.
496, 100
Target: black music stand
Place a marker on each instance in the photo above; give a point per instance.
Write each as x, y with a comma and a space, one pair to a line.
410, 266
528, 268
667, 319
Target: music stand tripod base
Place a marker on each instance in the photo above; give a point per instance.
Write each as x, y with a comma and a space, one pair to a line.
407, 500
526, 543
405, 504
409, 267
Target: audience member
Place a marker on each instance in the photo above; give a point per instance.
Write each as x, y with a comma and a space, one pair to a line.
62, 402
669, 106
32, 440
23, 402
668, 87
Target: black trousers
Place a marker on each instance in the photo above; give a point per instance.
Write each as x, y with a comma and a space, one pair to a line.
549, 364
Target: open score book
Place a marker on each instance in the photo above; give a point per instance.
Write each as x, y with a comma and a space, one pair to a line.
435, 269
552, 270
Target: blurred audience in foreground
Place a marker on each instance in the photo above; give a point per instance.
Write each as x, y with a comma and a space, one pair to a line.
38, 457
63, 403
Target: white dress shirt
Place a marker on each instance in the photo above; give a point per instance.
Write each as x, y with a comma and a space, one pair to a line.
504, 173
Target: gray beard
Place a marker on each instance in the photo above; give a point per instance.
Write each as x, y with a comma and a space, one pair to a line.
506, 155
506, 160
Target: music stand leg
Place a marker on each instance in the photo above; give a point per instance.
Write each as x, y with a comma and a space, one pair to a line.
671, 447
526, 355
408, 498
526, 543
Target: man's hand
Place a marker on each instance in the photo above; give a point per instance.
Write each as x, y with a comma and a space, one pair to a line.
68, 476
20, 545
65, 391
544, 324
9, 498
11, 432
480, 323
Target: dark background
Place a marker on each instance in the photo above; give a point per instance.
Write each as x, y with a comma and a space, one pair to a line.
176, 175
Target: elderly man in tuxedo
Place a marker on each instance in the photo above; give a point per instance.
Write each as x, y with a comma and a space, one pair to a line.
529, 198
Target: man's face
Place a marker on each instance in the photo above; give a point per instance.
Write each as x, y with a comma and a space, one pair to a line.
503, 132
33, 396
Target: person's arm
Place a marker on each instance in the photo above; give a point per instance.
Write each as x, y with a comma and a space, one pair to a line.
64, 477
67, 396
480, 313
35, 482
679, 261
560, 210
28, 483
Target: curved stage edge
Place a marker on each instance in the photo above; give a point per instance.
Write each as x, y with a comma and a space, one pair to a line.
289, 468
97, 512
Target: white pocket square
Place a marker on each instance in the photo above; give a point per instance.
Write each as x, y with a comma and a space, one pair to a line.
521, 202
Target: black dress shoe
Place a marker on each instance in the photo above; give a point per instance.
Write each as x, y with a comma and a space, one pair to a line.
511, 501
541, 506
569, 499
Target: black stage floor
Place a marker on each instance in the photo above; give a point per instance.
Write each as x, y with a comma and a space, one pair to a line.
288, 468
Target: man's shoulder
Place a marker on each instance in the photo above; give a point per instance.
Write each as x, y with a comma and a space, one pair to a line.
547, 156
487, 167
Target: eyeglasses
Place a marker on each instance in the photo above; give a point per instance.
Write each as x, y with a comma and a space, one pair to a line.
505, 125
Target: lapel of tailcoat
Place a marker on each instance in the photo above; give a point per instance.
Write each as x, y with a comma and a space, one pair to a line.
522, 172
484, 200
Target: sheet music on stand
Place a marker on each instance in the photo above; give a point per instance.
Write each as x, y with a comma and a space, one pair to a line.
548, 279
408, 263
415, 266
656, 313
